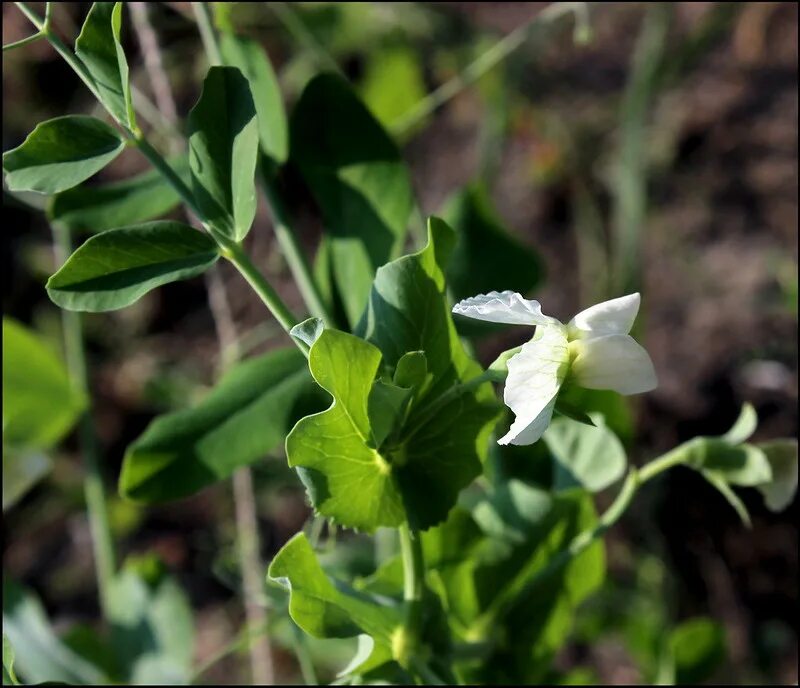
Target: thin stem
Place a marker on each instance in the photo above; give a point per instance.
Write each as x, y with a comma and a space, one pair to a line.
296, 259
205, 24
476, 69
261, 667
23, 41
234, 252
157, 160
405, 642
102, 541
301, 651
295, 26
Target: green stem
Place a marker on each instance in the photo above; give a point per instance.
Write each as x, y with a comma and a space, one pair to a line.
407, 639
23, 41
102, 541
301, 651
159, 162
236, 255
296, 259
498, 52
205, 25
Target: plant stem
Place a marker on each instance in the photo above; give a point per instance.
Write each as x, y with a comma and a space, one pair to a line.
476, 69
405, 644
303, 656
102, 541
296, 259
205, 24
23, 41
234, 253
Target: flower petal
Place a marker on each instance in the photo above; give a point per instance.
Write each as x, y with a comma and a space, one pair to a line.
535, 375
609, 317
503, 307
613, 362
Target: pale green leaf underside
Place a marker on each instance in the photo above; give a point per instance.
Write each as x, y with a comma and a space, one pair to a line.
115, 268
61, 153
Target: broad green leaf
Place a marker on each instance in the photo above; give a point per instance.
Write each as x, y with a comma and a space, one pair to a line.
356, 175
393, 84
585, 455
114, 269
151, 628
439, 449
252, 60
744, 426
329, 609
39, 654
387, 406
223, 150
96, 208
9, 677
245, 417
697, 647
61, 153
743, 464
486, 256
21, 471
781, 489
348, 480
39, 403
99, 48
411, 370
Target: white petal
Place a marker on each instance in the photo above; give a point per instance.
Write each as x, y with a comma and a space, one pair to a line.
503, 307
535, 375
609, 317
613, 362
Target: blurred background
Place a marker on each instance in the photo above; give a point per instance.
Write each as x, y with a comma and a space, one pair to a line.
656, 151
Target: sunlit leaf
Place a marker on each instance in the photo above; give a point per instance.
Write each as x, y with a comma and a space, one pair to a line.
115, 268
697, 647
782, 487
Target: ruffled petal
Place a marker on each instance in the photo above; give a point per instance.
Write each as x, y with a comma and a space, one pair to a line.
535, 375
506, 307
609, 317
613, 362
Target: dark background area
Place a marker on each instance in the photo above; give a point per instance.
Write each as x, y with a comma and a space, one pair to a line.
717, 271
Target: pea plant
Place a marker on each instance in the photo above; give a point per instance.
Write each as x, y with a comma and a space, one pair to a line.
484, 520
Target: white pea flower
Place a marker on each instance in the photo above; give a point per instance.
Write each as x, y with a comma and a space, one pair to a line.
594, 349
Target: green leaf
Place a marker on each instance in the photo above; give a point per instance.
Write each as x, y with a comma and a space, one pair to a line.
486, 253
411, 370
99, 48
387, 406
744, 426
393, 84
9, 677
348, 480
324, 608
585, 455
96, 208
356, 175
61, 153
743, 464
116, 268
252, 60
151, 628
223, 150
39, 403
439, 449
245, 417
779, 492
40, 654
614, 408
21, 471
697, 647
